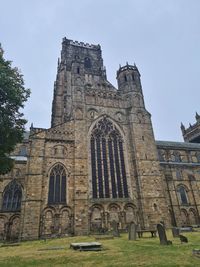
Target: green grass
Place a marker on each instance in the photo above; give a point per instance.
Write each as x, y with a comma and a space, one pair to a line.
117, 252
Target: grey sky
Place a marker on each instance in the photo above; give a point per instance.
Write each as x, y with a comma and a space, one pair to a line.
162, 37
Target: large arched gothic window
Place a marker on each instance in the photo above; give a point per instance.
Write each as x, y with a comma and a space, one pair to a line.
107, 160
12, 197
57, 185
182, 195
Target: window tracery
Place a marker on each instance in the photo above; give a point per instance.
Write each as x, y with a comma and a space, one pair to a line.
107, 160
12, 196
57, 185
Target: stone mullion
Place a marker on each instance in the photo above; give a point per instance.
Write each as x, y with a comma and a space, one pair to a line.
108, 165
120, 168
99, 166
105, 167
112, 169
116, 156
123, 169
94, 169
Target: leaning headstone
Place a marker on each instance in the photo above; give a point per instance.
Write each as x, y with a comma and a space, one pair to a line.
115, 229
175, 231
162, 235
132, 231
183, 239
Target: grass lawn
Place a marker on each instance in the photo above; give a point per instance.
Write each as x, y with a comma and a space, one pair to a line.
117, 252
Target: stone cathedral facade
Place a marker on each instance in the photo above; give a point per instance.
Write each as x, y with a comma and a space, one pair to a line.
99, 161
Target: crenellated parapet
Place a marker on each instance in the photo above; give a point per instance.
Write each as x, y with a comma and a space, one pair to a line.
81, 44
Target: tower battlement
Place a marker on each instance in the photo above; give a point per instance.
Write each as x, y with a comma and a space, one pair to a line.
126, 67
81, 44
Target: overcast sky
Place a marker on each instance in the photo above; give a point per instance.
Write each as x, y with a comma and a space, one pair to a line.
162, 37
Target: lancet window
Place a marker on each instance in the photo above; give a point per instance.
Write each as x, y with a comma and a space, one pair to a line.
57, 185
107, 161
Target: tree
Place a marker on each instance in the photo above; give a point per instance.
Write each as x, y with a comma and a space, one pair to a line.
13, 94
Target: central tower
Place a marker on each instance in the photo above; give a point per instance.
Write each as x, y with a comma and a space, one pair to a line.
81, 65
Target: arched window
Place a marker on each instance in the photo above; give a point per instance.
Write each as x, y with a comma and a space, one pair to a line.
57, 185
107, 161
179, 175
87, 63
12, 197
182, 195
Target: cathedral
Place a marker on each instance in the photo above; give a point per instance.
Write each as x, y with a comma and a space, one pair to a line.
99, 162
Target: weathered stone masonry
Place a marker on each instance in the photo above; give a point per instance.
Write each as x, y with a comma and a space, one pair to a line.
99, 162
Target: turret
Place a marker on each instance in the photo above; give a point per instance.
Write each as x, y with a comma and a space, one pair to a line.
128, 78
192, 133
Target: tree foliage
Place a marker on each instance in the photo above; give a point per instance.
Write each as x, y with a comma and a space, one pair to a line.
13, 95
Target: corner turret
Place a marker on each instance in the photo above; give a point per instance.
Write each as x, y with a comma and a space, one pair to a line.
128, 78
192, 133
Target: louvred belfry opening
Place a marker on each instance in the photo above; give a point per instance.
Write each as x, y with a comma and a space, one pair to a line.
107, 161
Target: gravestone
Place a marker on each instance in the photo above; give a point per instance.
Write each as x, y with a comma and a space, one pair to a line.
183, 239
175, 231
132, 231
115, 229
162, 235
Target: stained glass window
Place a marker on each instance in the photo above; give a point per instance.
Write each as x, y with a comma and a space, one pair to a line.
107, 161
57, 185
12, 196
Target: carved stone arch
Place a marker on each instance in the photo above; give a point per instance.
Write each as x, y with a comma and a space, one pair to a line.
13, 230
65, 220
130, 213
98, 206
118, 127
56, 163
193, 217
183, 185
47, 222
114, 213
184, 217
3, 224
96, 213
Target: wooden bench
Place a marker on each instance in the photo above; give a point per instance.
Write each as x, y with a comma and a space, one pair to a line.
152, 231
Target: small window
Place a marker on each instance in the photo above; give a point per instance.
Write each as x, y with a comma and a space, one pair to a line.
155, 207
87, 63
78, 70
125, 78
182, 195
22, 151
179, 175
133, 78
